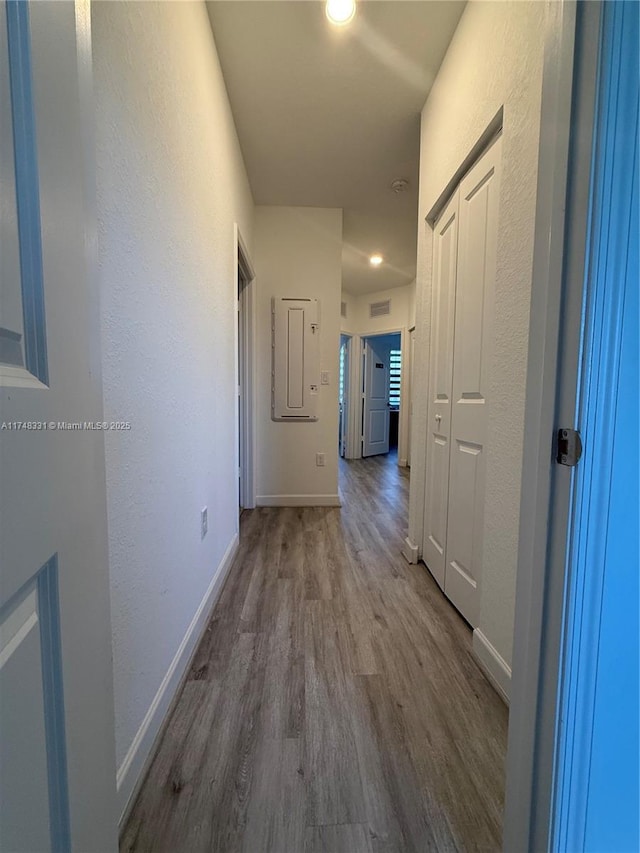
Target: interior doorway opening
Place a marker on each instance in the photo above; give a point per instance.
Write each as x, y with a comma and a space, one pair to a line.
244, 374
381, 393
374, 395
344, 364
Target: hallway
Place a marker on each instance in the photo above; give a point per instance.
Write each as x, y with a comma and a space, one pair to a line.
333, 704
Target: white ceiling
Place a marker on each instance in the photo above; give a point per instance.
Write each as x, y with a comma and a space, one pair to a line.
329, 117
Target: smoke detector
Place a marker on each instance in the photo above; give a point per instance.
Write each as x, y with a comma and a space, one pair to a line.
400, 185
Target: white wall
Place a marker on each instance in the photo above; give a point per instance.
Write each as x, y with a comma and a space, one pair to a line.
171, 183
494, 61
403, 306
350, 301
297, 253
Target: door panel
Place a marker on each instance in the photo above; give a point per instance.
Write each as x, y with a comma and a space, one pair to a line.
377, 431
376, 398
57, 779
23, 729
472, 351
440, 384
460, 580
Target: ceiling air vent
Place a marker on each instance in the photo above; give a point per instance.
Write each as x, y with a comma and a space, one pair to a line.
379, 309
343, 309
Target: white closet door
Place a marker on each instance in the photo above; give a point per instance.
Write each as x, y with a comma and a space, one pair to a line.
472, 351
445, 251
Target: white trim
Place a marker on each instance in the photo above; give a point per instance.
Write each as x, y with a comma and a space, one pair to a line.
492, 664
242, 261
487, 138
132, 771
242, 254
298, 500
410, 551
347, 339
354, 439
353, 445
402, 463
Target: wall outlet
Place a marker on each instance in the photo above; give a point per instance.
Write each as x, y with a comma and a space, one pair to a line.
320, 460
324, 377
204, 524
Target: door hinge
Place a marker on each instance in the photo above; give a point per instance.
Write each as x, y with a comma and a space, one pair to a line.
569, 447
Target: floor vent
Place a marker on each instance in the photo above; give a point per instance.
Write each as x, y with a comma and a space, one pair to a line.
379, 309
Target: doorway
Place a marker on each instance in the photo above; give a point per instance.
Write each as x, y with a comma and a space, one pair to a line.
344, 364
411, 384
245, 372
381, 393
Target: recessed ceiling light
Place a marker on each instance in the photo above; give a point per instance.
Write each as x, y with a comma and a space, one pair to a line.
375, 260
340, 12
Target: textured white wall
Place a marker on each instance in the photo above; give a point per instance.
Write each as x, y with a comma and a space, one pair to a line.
402, 310
171, 182
297, 253
347, 324
494, 60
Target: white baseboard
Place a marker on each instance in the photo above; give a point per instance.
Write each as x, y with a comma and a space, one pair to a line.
402, 463
493, 665
298, 500
132, 770
409, 551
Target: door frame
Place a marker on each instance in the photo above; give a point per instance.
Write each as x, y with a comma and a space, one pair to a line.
353, 449
558, 288
358, 403
603, 525
346, 340
411, 343
245, 354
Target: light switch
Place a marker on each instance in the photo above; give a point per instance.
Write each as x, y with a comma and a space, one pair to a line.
324, 377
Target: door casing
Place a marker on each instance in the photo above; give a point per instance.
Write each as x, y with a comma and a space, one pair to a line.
571, 55
245, 371
355, 402
375, 397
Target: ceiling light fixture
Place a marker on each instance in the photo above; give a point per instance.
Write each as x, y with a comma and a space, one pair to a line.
340, 12
375, 260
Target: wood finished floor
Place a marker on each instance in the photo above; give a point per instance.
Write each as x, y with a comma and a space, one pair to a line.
333, 704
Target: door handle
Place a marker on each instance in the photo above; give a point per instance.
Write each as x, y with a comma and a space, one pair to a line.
438, 418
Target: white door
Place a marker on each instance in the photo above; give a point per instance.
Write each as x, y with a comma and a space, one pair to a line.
472, 351
57, 763
445, 253
375, 427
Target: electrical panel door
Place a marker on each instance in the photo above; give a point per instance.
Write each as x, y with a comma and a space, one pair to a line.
296, 359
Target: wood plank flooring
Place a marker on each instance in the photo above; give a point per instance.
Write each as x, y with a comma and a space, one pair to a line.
333, 704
